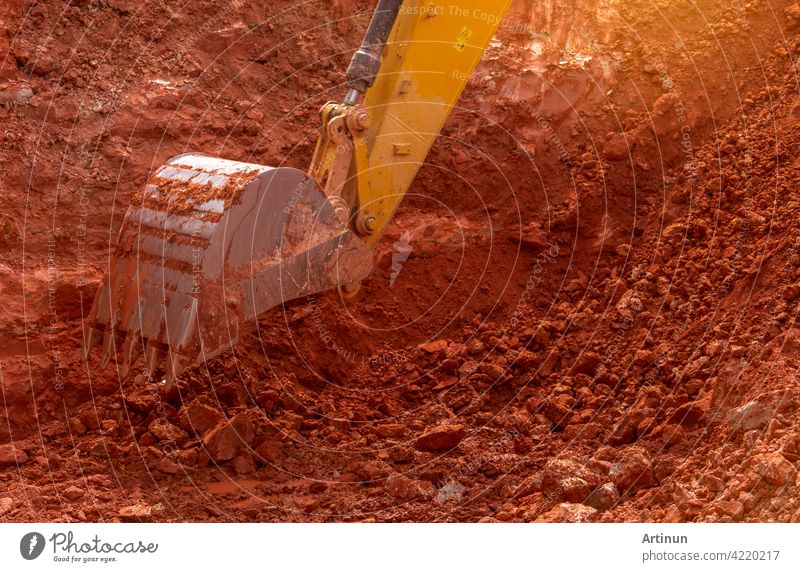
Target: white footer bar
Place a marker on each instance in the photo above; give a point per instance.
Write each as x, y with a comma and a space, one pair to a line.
371, 547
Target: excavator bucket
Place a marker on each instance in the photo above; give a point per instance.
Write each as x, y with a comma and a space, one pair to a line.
206, 248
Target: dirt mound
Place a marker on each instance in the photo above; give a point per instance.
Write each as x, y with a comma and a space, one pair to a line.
584, 310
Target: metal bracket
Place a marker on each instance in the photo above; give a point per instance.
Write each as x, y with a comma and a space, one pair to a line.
342, 128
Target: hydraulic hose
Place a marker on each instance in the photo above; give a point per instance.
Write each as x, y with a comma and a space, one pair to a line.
366, 62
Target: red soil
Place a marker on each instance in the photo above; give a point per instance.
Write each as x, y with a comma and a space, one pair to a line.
596, 320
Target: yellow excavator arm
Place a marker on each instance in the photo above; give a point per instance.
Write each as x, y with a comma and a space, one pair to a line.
428, 57
210, 245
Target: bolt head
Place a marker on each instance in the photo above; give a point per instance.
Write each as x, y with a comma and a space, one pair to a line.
362, 119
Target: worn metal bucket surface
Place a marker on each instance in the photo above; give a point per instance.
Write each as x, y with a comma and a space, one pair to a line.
207, 247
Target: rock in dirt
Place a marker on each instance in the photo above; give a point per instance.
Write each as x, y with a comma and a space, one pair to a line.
11, 456
532, 236
197, 417
773, 468
617, 147
603, 497
244, 464
390, 431
228, 438
731, 509
434, 347
529, 486
166, 431
370, 470
73, 493
558, 410
22, 95
124, 7
568, 480
793, 16
139, 513
451, 492
401, 454
268, 452
140, 401
6, 504
168, 466
689, 414
791, 448
402, 488
441, 439
633, 472
753, 415
569, 512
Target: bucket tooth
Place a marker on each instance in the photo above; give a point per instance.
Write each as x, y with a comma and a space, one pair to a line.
151, 358
91, 337
109, 349
131, 351
175, 367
